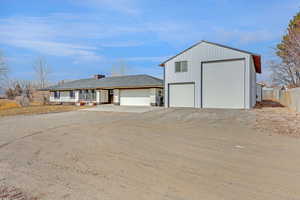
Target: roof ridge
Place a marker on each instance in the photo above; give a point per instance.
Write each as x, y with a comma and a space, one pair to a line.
228, 47
117, 81
213, 43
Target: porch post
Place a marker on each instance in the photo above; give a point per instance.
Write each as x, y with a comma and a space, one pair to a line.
116, 96
98, 96
76, 96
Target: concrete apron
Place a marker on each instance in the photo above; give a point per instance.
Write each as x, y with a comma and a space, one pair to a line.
130, 109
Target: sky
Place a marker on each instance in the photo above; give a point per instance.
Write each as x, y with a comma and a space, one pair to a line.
79, 38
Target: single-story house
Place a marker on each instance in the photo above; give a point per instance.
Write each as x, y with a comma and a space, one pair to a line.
210, 75
133, 90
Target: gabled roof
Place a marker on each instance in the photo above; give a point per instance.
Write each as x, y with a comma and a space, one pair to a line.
131, 81
256, 57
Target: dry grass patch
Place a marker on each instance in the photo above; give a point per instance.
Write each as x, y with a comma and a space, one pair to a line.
278, 120
30, 110
8, 104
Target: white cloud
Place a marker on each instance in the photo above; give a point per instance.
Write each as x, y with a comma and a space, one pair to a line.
83, 36
122, 44
245, 36
151, 58
44, 36
65, 34
123, 6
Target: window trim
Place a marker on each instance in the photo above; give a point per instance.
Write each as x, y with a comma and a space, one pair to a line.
180, 66
56, 94
72, 94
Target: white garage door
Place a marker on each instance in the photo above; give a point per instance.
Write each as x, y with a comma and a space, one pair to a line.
182, 95
223, 84
135, 97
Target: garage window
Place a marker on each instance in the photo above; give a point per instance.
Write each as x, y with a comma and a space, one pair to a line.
181, 66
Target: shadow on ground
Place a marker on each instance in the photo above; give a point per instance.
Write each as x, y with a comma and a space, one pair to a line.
268, 104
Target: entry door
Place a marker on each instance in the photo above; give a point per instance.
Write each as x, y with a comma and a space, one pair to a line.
223, 84
182, 95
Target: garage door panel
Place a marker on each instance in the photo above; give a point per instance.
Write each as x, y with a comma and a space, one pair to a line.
223, 84
135, 97
182, 95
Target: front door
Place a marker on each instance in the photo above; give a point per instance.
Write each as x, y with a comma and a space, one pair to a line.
110, 96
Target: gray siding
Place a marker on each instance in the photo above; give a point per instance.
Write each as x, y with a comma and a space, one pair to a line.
253, 82
201, 53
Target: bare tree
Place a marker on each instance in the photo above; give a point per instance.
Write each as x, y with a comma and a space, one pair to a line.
287, 72
3, 70
284, 74
42, 72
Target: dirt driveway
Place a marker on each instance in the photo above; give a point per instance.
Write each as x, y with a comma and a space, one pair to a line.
169, 154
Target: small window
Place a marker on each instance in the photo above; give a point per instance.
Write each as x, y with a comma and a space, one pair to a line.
184, 66
56, 94
181, 66
72, 94
177, 67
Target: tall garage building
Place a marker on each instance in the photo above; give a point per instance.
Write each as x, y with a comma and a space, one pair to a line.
210, 75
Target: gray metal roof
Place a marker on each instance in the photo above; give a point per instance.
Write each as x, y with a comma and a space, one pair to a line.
131, 81
213, 43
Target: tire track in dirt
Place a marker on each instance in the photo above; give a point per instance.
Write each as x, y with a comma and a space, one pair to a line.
34, 134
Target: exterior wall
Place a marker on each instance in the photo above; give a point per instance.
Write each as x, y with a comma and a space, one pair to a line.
117, 96
155, 99
103, 96
253, 92
98, 96
153, 96
202, 53
289, 98
76, 95
259, 92
64, 97
268, 94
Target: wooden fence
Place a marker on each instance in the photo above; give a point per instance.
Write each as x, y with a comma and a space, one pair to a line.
289, 98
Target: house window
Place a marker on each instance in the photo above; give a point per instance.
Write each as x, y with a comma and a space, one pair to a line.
56, 94
181, 66
72, 94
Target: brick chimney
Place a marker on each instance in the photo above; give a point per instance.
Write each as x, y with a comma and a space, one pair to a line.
99, 76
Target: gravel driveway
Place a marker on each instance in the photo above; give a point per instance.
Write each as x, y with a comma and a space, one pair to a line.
172, 154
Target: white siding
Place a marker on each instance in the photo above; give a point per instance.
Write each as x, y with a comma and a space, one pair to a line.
253, 82
98, 96
104, 96
116, 96
64, 97
201, 53
259, 92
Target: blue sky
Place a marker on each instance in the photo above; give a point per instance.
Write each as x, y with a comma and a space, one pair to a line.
80, 38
